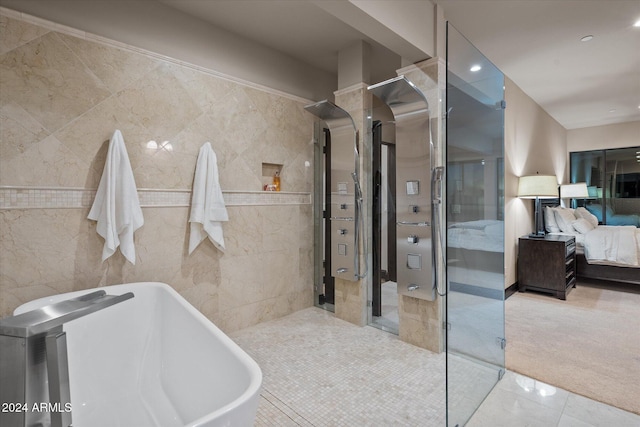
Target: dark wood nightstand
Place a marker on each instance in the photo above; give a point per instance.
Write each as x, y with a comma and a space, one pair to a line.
547, 264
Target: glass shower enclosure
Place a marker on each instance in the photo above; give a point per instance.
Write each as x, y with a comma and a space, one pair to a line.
475, 227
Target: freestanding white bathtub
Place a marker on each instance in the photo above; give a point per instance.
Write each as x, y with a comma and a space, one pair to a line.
154, 360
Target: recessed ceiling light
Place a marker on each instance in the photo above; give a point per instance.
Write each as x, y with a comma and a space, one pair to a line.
586, 38
475, 68
637, 23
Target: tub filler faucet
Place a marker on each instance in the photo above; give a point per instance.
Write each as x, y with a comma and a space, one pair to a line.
33, 352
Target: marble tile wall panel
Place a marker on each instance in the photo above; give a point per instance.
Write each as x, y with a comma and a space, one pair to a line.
64, 94
421, 322
259, 277
351, 301
16, 33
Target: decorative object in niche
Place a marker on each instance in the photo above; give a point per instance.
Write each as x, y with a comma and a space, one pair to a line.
271, 176
276, 181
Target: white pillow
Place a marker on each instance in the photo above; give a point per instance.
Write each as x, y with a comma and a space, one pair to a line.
582, 226
550, 223
564, 218
584, 213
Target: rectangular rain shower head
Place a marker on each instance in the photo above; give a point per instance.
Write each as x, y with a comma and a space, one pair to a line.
402, 96
334, 116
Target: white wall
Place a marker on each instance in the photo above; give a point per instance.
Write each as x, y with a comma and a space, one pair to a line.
411, 20
619, 135
534, 143
406, 27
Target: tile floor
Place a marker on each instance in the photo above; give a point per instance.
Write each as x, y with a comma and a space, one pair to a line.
321, 371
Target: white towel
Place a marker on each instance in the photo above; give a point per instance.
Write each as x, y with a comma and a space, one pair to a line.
116, 206
207, 205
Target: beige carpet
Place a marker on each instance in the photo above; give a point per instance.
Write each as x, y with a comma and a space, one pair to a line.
588, 344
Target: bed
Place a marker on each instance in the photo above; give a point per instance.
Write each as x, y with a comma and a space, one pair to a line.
477, 245
605, 252
475, 258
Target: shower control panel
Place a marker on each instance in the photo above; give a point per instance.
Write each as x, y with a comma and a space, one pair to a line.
413, 231
413, 216
343, 230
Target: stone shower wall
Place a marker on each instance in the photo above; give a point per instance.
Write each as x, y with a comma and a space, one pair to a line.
64, 92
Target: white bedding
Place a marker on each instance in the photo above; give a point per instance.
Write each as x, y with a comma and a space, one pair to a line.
613, 245
482, 235
609, 245
616, 245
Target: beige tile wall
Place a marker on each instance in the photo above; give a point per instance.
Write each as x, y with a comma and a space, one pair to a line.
63, 95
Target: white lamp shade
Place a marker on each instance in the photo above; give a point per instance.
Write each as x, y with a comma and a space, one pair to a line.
541, 186
574, 191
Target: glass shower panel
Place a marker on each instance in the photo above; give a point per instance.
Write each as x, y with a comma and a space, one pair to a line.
475, 227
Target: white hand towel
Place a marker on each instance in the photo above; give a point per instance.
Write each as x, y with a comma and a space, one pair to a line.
207, 205
116, 206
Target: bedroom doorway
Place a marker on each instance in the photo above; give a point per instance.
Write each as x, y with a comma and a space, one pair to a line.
475, 231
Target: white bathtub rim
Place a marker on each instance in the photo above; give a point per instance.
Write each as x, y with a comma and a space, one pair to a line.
255, 372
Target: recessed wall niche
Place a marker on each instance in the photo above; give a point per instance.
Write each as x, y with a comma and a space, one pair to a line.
269, 171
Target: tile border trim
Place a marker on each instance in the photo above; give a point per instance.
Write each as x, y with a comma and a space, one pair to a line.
22, 197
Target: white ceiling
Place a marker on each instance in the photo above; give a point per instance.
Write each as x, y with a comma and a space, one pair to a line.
536, 43
298, 28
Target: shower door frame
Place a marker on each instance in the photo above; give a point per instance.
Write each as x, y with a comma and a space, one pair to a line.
328, 280
376, 305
